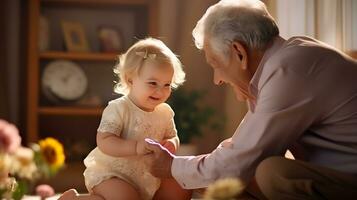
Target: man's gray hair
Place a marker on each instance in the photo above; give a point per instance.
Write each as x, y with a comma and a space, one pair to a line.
245, 21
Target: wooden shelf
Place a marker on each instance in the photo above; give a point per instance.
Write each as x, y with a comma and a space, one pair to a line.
70, 111
72, 123
78, 56
143, 18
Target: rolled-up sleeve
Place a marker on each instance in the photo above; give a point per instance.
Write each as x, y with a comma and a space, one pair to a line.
284, 109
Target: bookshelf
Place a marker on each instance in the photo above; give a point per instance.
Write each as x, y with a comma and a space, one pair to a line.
73, 123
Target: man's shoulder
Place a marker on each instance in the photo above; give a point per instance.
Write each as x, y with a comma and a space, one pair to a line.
302, 49
299, 54
293, 50
291, 59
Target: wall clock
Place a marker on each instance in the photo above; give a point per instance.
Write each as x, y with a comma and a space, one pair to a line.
63, 80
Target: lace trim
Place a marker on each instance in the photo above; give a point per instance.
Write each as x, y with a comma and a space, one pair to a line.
110, 127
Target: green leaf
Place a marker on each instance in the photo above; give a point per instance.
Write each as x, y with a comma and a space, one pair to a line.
21, 190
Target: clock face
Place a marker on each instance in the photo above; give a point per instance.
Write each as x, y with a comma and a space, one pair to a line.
65, 80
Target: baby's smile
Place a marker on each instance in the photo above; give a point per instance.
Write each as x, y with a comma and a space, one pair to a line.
154, 98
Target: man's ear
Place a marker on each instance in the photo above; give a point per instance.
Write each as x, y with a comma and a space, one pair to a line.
241, 53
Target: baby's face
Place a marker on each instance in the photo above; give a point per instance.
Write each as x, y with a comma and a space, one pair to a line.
152, 86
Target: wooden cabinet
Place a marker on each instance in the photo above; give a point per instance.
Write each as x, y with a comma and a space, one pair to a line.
73, 123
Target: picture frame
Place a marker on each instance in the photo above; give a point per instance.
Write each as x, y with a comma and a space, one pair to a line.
110, 39
74, 37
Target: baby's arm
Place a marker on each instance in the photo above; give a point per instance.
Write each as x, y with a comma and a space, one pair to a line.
171, 141
113, 145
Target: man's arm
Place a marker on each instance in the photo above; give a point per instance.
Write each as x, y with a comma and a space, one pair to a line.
279, 118
285, 108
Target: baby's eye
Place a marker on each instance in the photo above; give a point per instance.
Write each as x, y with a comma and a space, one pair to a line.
167, 85
152, 83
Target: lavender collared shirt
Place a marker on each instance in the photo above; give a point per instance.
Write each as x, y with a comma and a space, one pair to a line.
306, 96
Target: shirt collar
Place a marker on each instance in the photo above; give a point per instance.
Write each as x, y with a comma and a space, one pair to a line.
253, 85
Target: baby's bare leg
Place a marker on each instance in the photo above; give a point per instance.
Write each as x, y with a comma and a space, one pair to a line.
72, 194
113, 188
170, 189
117, 189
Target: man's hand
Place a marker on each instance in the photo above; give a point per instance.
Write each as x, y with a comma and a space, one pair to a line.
160, 160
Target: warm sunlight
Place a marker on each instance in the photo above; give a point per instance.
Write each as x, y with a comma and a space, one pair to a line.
172, 99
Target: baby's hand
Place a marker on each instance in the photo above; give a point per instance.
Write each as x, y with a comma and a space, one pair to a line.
169, 145
141, 148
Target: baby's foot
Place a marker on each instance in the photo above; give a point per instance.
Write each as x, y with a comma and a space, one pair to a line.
69, 194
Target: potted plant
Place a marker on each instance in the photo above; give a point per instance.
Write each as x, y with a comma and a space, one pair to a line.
191, 115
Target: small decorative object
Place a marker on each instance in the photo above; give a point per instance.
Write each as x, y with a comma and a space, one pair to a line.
224, 189
27, 165
63, 80
75, 37
43, 37
111, 39
44, 191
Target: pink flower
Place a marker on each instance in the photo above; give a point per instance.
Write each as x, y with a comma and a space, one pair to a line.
45, 191
10, 139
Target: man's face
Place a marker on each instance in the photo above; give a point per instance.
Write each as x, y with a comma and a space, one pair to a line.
228, 71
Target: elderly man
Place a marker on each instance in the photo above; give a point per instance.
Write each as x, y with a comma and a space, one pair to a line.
302, 96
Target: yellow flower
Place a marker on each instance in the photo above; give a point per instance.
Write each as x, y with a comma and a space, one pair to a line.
52, 151
224, 189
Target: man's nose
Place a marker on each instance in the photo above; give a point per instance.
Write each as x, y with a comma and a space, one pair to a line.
219, 83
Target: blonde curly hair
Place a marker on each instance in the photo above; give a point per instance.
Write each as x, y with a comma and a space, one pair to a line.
146, 50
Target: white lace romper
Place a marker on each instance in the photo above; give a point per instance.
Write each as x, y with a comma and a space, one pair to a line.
124, 119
